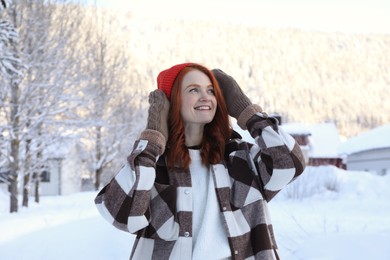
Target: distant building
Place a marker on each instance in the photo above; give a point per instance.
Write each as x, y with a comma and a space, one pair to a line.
321, 145
369, 151
65, 171
319, 142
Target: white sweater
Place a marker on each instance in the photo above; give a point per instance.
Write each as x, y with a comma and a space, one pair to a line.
209, 235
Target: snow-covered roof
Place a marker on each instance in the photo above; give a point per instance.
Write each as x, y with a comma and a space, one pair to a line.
324, 138
296, 129
374, 139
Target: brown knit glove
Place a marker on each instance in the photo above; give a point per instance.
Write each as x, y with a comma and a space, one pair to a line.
158, 112
238, 104
236, 100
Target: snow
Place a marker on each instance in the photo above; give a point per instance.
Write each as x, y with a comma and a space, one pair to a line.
296, 128
326, 214
324, 138
376, 138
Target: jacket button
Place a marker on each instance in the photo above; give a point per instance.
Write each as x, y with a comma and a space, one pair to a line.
187, 191
186, 234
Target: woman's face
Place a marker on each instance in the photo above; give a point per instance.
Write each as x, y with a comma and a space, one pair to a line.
198, 102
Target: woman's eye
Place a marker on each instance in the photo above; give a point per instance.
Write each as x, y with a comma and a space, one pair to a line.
194, 90
211, 91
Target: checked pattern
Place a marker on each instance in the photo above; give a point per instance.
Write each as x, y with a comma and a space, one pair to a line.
146, 199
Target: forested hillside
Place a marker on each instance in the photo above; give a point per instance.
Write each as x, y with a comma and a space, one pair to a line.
305, 76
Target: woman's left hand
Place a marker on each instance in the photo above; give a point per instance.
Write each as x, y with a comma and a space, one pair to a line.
236, 101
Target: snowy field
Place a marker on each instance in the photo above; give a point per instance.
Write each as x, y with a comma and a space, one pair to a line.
327, 214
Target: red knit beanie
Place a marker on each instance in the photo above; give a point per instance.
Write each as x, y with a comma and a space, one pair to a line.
167, 77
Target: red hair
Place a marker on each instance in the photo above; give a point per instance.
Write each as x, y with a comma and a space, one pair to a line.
215, 133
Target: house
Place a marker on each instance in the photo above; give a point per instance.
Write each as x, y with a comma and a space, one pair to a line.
65, 171
369, 151
319, 142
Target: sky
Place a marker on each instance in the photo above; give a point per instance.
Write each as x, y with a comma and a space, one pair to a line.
349, 222
359, 16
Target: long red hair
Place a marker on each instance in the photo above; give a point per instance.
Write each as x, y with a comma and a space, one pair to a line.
215, 133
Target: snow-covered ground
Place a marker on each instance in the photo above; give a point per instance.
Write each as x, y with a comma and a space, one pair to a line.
327, 214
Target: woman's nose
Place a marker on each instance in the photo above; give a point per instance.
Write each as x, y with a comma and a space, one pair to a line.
204, 96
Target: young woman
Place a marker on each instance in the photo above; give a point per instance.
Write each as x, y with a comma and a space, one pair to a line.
191, 187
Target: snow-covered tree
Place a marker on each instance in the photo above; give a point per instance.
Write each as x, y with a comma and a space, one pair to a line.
34, 108
12, 72
108, 109
49, 39
75, 83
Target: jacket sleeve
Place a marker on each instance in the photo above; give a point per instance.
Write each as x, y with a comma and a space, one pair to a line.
277, 156
125, 200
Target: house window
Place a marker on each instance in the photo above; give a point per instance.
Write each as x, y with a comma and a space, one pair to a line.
45, 176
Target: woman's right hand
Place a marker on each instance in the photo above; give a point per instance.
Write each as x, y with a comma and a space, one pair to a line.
158, 112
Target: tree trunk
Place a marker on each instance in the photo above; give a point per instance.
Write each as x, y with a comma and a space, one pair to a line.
13, 176
98, 174
38, 177
37, 182
26, 190
98, 170
13, 189
15, 142
14, 131
26, 177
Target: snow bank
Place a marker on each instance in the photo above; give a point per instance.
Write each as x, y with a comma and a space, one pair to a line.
327, 214
332, 182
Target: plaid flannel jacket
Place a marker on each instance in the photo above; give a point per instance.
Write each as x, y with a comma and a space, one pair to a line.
146, 199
